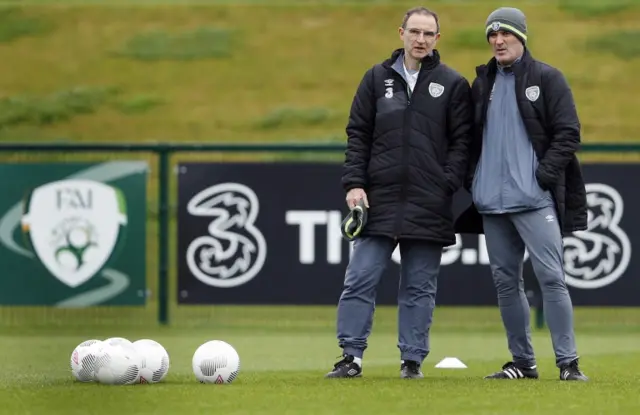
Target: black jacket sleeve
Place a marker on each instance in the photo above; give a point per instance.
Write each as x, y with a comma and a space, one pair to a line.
459, 134
475, 145
563, 128
359, 135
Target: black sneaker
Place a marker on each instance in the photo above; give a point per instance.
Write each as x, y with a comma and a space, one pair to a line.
571, 371
345, 368
410, 369
511, 371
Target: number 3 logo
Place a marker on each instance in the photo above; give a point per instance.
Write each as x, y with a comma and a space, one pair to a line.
389, 93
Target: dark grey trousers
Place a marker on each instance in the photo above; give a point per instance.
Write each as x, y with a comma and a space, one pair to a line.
507, 236
420, 266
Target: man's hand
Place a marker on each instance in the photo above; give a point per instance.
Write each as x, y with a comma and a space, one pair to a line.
354, 196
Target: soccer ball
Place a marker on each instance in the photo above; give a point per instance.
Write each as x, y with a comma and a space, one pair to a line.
117, 365
83, 360
216, 362
115, 341
155, 360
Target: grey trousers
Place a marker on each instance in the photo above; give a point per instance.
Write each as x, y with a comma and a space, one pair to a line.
420, 267
507, 236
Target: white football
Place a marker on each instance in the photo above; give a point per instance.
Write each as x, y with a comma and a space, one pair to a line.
155, 360
117, 365
216, 362
114, 341
83, 360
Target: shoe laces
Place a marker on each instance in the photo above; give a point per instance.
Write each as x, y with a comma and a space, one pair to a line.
508, 365
414, 367
346, 359
573, 367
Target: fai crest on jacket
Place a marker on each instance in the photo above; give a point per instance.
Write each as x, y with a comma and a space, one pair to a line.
435, 89
234, 250
73, 227
599, 255
532, 93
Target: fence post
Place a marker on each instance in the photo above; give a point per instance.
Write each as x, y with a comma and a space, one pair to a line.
163, 234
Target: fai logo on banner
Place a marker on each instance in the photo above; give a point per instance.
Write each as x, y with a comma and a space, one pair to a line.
73, 227
599, 255
234, 251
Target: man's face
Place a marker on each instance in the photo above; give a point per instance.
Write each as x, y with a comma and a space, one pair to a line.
506, 47
419, 35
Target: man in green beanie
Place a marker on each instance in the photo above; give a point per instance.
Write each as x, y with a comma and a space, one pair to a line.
527, 188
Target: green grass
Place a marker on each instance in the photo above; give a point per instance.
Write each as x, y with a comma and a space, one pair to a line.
55, 108
470, 39
285, 352
201, 43
137, 104
14, 25
293, 116
595, 8
222, 70
624, 44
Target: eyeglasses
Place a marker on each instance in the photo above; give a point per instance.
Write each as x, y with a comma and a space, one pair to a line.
415, 33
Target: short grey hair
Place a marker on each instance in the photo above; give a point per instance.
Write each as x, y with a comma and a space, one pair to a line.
420, 10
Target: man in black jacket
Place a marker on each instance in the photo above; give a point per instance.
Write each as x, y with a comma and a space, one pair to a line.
527, 188
408, 135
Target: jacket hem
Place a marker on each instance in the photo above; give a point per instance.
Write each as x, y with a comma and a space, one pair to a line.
435, 240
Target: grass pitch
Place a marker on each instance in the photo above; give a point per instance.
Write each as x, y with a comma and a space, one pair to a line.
286, 351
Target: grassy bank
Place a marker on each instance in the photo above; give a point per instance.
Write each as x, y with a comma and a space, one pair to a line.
218, 71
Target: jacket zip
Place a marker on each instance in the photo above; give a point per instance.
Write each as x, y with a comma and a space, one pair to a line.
405, 156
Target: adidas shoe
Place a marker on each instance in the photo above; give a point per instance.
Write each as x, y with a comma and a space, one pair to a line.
410, 369
511, 371
345, 368
571, 371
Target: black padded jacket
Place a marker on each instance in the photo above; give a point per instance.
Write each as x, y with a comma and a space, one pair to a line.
549, 115
409, 152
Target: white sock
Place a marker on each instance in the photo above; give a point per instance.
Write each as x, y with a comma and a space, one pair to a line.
357, 361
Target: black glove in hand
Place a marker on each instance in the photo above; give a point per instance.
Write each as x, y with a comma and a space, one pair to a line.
355, 221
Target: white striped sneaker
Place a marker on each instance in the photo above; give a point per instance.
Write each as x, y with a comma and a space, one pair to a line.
571, 371
511, 371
